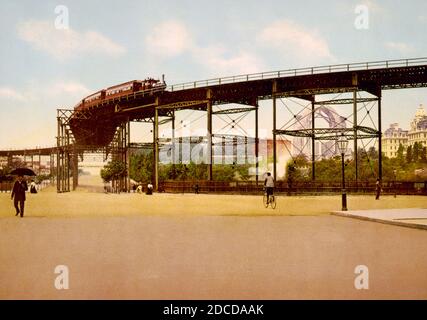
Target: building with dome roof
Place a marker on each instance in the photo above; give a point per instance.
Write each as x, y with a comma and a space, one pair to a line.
395, 136
392, 138
418, 130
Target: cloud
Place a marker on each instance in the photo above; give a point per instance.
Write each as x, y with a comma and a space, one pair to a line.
36, 92
422, 19
70, 87
295, 41
64, 44
219, 60
57, 92
172, 38
400, 47
11, 94
169, 39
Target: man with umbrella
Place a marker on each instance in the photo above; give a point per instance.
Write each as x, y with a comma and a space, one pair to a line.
19, 188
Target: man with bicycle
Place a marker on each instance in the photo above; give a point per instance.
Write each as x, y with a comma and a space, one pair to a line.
269, 186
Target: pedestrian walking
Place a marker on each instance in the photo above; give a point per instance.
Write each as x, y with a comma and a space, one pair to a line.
33, 187
196, 188
378, 189
18, 195
149, 189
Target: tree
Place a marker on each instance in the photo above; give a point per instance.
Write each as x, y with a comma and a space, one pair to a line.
141, 167
113, 170
4, 174
415, 152
197, 171
223, 172
372, 153
400, 153
409, 154
423, 156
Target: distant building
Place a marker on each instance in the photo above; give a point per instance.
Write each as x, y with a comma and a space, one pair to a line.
418, 131
392, 138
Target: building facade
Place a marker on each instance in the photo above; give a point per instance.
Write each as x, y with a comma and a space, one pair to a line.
395, 136
418, 131
392, 138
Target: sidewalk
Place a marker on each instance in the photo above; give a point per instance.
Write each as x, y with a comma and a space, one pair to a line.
412, 218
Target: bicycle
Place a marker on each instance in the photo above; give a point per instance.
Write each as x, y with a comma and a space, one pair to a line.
271, 200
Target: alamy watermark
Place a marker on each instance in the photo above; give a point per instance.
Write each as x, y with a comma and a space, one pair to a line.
361, 282
62, 280
362, 17
62, 20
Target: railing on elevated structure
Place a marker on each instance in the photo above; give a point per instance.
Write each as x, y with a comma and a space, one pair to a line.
359, 66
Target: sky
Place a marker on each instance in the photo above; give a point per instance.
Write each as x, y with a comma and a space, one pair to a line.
54, 53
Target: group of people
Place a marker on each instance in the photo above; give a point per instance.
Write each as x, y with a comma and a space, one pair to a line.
269, 187
20, 187
139, 189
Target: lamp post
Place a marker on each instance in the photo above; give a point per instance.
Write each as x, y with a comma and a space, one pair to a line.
342, 143
394, 182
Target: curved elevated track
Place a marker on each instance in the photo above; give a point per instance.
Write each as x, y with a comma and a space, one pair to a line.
105, 126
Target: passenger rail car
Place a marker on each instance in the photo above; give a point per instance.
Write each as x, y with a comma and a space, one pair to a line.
117, 91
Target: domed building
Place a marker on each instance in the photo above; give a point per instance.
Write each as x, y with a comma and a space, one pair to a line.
392, 138
418, 131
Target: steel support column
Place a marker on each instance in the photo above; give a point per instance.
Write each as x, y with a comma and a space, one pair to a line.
75, 161
58, 156
67, 158
380, 148
209, 135
51, 167
223, 150
246, 150
40, 163
128, 155
356, 157
173, 143
313, 143
256, 143
274, 132
156, 149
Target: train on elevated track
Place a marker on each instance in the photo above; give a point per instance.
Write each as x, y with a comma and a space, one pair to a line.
148, 85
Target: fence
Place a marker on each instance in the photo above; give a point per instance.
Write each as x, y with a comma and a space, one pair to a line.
6, 186
295, 188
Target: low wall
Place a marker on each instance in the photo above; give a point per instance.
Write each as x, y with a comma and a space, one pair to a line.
250, 187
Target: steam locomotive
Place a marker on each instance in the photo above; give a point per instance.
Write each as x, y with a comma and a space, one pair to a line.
119, 90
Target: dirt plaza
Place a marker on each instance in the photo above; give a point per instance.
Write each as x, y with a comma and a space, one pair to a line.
175, 246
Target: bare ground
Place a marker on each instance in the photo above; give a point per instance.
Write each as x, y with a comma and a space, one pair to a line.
206, 247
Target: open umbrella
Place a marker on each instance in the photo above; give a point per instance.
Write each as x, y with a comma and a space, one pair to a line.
23, 172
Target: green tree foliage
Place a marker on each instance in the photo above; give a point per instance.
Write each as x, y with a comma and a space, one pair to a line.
113, 170
223, 172
409, 154
416, 152
141, 170
400, 157
297, 170
423, 156
4, 174
141, 167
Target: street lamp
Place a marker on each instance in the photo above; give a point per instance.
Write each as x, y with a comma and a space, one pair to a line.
394, 182
342, 144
